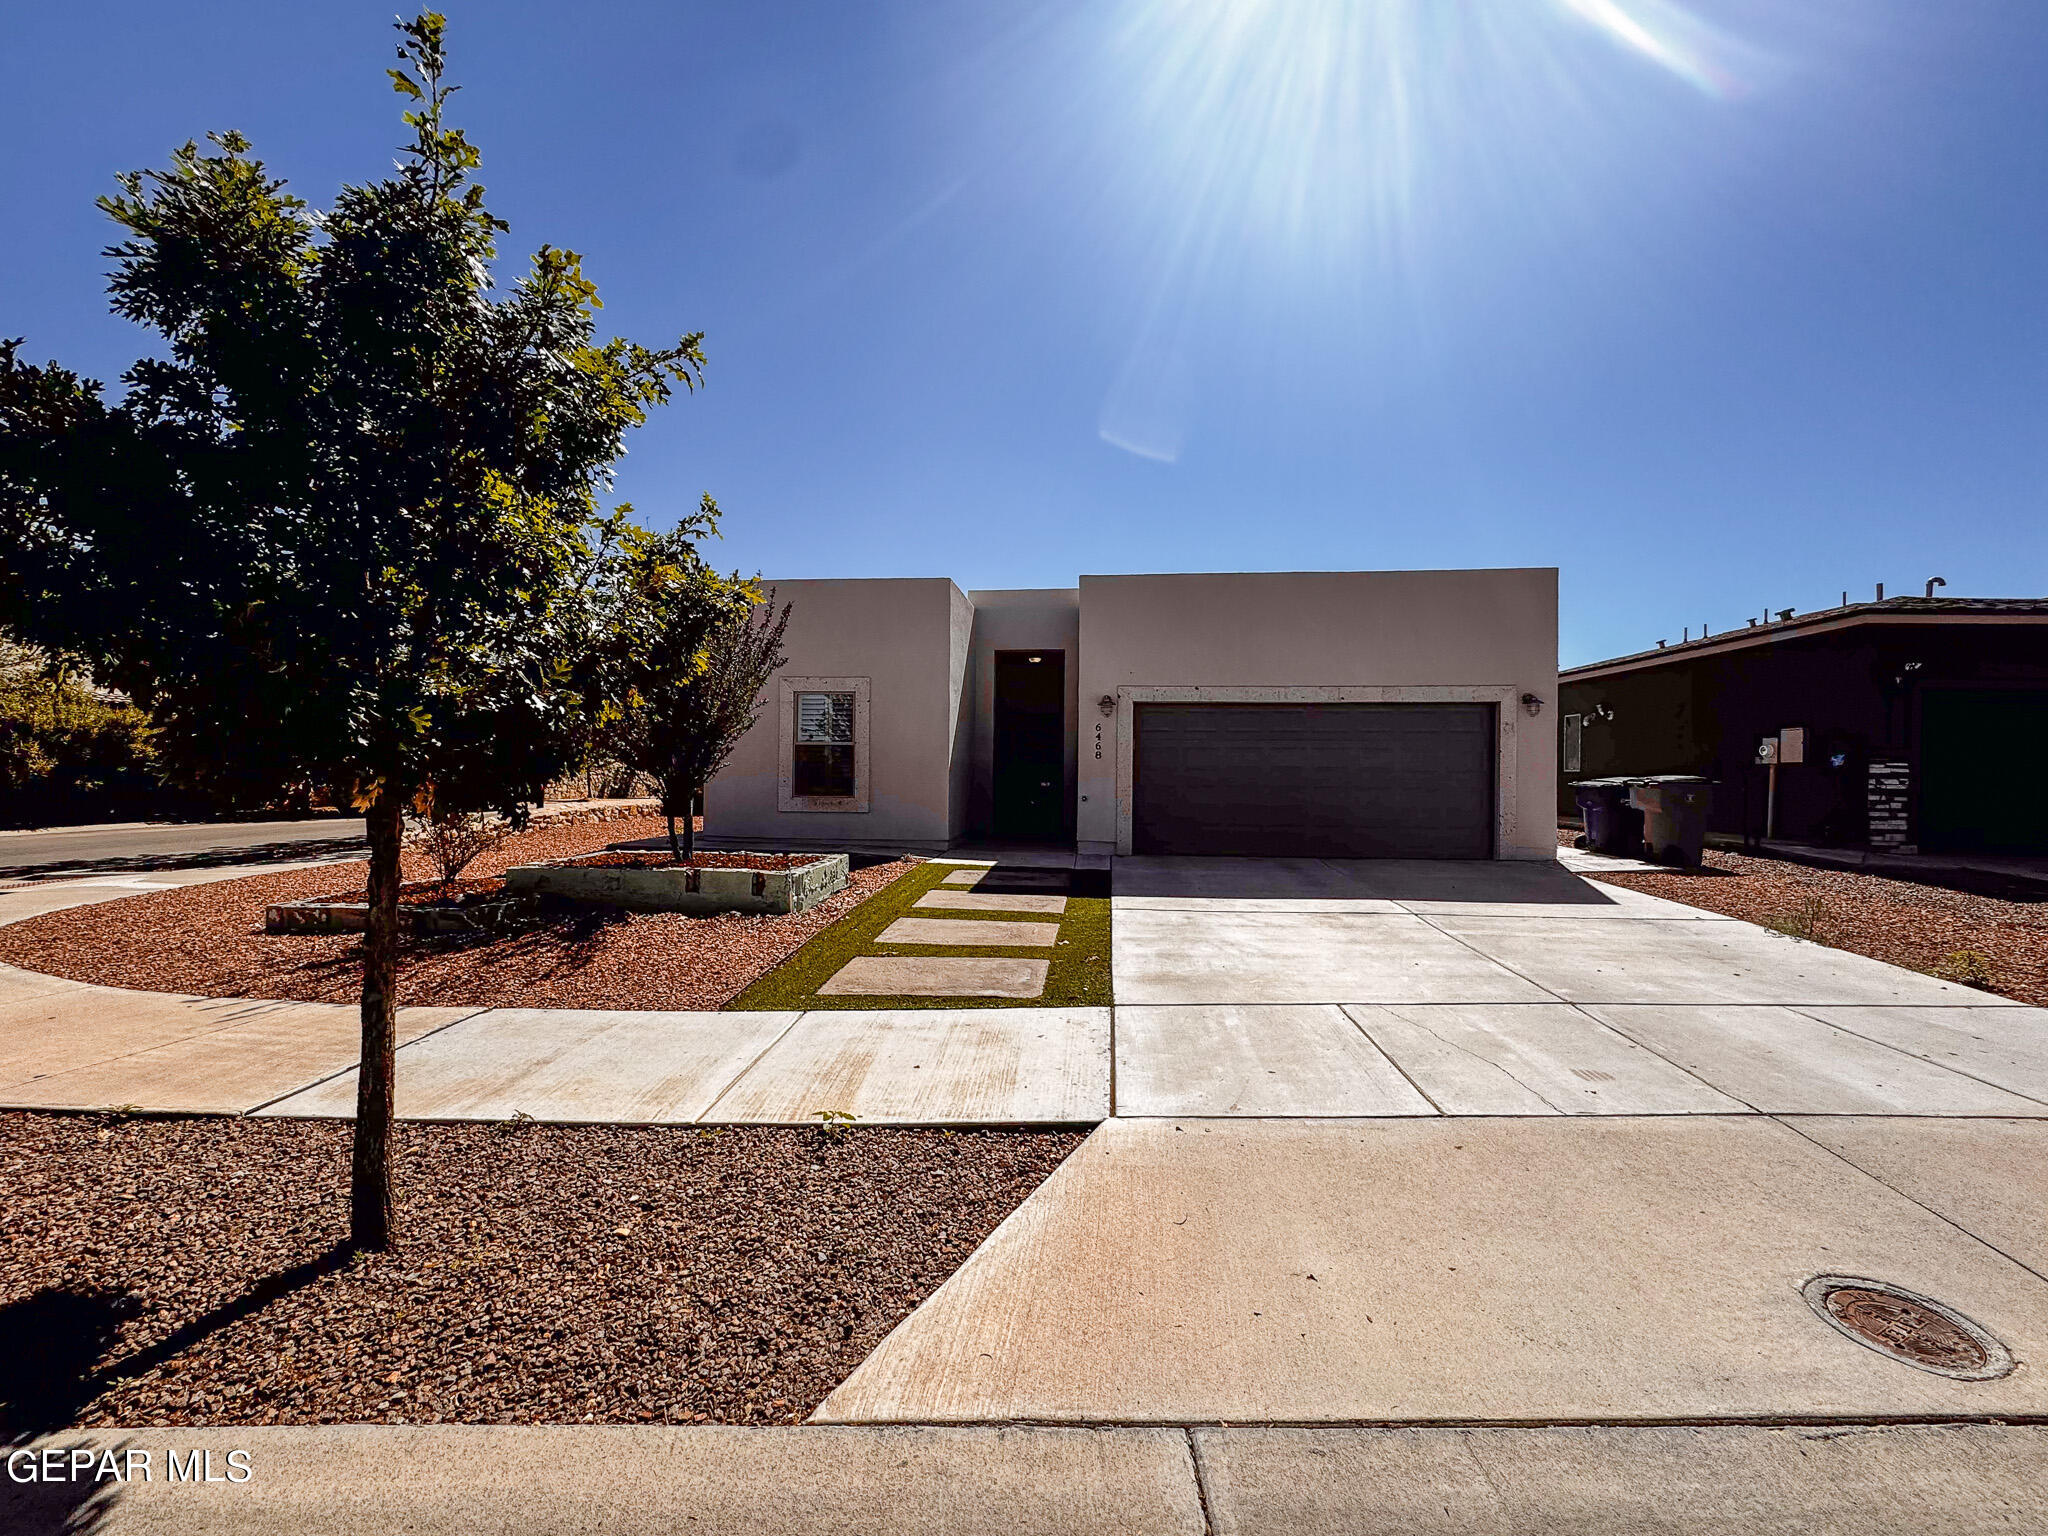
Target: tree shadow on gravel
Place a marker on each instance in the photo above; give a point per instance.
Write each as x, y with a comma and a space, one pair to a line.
49, 1345
51, 1342
562, 940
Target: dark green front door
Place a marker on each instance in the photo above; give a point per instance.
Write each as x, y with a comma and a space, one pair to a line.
1030, 744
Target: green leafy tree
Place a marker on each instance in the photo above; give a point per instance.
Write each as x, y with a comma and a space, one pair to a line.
345, 530
67, 748
693, 652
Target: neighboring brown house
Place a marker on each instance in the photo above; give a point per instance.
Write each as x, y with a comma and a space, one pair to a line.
1924, 720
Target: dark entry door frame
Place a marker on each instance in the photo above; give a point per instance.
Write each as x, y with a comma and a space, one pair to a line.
1029, 761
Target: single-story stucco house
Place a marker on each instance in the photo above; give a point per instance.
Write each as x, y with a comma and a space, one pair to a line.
1390, 714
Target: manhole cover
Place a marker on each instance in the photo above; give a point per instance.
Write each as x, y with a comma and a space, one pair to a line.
1914, 1330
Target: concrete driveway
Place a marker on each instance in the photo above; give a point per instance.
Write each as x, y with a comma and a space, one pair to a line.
1340, 987
1400, 1143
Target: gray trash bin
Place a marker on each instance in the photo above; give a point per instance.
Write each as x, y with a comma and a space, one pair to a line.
1674, 807
1613, 825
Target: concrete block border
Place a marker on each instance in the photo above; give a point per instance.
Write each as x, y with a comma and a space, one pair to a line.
686, 889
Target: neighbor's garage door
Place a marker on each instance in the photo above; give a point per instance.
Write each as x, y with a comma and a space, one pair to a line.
1385, 781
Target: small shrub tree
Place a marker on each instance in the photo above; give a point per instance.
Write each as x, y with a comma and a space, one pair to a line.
452, 840
340, 532
694, 682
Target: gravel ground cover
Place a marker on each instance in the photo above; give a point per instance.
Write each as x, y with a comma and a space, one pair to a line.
171, 1272
1079, 976
1922, 927
209, 940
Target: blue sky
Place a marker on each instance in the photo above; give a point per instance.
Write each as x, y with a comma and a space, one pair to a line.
1717, 306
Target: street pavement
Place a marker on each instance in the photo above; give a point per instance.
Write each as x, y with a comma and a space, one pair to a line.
55, 852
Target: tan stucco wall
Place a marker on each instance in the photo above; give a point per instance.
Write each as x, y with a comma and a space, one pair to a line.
909, 638
1489, 633
1025, 619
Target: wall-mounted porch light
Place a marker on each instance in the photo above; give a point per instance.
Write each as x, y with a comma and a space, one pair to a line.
1532, 704
1107, 704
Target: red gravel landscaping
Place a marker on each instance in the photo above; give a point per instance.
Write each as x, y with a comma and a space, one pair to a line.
161, 1272
1921, 927
209, 940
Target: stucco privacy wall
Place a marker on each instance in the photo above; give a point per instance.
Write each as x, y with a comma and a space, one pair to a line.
1336, 637
1027, 619
907, 639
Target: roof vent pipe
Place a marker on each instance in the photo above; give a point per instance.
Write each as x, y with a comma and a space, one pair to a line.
1880, 591
1784, 614
1932, 583
1752, 623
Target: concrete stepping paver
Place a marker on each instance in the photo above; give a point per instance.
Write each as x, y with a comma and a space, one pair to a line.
955, 933
564, 1064
1780, 1061
1482, 1270
990, 901
2001, 1045
1703, 963
931, 1067
1036, 879
1625, 1480
1532, 1059
936, 976
1262, 1060
1316, 957
1989, 1177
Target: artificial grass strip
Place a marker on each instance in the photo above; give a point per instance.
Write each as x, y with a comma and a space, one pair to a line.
1078, 976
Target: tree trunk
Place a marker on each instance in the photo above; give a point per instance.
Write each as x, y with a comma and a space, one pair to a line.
689, 826
668, 809
370, 1188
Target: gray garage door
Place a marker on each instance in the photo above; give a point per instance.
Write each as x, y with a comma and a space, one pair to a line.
1366, 781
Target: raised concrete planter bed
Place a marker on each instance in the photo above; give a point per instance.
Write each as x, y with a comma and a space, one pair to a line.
668, 888
316, 914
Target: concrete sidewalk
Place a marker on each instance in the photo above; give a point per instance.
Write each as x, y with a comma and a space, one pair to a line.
1000, 1066
1947, 1480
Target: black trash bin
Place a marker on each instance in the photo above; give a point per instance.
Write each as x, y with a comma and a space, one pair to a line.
1674, 807
1613, 825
